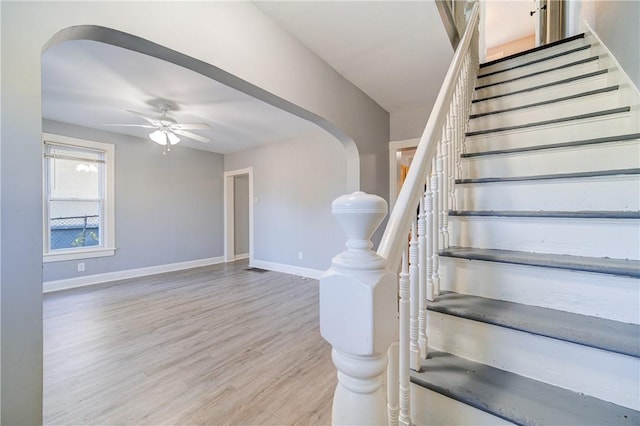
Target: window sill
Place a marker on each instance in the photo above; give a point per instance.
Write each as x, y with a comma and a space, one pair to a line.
76, 255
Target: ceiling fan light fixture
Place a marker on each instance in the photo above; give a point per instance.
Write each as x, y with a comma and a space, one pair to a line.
173, 139
158, 137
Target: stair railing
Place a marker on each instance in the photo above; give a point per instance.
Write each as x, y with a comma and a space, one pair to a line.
373, 316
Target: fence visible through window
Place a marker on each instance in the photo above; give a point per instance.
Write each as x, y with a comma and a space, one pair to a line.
75, 231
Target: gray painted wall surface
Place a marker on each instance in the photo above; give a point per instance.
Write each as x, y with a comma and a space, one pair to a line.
236, 37
408, 124
295, 183
618, 26
168, 207
241, 214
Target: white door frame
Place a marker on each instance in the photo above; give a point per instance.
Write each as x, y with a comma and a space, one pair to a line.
229, 240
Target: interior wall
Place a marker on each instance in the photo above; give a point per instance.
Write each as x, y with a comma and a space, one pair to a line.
618, 26
234, 36
294, 183
168, 207
241, 214
408, 124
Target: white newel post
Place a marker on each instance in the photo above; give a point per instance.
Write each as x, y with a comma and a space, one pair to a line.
358, 313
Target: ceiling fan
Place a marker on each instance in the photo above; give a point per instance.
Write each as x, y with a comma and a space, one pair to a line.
167, 128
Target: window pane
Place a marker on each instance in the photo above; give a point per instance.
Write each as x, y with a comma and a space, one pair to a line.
74, 224
74, 178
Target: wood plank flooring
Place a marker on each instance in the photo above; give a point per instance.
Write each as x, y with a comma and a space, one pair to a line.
217, 345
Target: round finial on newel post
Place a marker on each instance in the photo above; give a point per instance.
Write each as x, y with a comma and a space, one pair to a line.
359, 214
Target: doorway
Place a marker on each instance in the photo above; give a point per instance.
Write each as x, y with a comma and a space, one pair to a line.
238, 215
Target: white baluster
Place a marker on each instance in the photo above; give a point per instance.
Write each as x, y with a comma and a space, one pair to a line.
404, 417
358, 313
393, 385
422, 281
443, 196
428, 210
435, 241
414, 299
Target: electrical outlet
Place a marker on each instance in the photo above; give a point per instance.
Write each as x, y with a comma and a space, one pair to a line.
81, 267
300, 256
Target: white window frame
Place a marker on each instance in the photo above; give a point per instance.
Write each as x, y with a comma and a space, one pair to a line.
108, 241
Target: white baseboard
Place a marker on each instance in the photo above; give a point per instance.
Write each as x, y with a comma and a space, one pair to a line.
287, 269
241, 256
49, 286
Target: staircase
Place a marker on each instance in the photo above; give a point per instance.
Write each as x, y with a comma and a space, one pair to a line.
537, 318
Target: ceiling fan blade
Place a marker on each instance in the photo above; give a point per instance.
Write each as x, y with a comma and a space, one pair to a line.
156, 123
190, 126
191, 136
146, 126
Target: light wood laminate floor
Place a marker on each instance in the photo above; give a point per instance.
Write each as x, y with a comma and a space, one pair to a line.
217, 345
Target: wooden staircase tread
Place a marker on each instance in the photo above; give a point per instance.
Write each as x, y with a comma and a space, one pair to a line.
621, 267
516, 398
544, 86
533, 74
536, 61
553, 121
600, 333
584, 214
585, 142
535, 49
547, 102
577, 175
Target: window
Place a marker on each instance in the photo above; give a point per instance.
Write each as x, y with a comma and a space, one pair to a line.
79, 203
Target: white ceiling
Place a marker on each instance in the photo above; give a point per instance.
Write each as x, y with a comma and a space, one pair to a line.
92, 84
397, 52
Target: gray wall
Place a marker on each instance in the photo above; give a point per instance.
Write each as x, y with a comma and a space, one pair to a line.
241, 214
618, 26
168, 207
295, 183
408, 124
235, 37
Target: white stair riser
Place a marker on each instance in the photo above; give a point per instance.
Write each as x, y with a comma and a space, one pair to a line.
610, 156
602, 374
537, 80
434, 409
539, 95
540, 66
593, 194
564, 290
618, 239
545, 53
575, 130
584, 105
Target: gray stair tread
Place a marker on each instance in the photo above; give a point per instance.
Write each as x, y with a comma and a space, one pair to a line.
553, 121
578, 175
600, 333
623, 267
595, 141
535, 49
544, 86
515, 398
548, 102
549, 214
533, 74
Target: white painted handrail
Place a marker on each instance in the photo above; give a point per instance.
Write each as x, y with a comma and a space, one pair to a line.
403, 213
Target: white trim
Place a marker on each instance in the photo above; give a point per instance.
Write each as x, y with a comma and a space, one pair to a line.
87, 280
229, 243
287, 269
75, 255
394, 147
